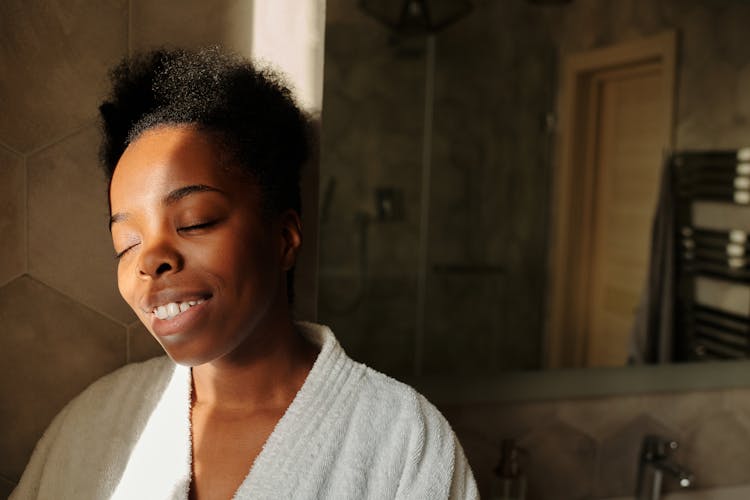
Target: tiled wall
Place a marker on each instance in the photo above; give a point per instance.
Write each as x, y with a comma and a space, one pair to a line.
495, 83
62, 322
588, 448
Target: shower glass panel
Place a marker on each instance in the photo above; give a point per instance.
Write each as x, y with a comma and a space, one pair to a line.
434, 193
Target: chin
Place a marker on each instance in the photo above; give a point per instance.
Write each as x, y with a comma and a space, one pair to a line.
193, 353
190, 359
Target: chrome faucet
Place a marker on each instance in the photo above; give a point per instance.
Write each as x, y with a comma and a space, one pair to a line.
654, 461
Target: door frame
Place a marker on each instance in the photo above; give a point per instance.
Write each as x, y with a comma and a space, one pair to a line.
573, 190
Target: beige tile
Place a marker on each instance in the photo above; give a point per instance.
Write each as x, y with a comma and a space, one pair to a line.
50, 349
54, 57
681, 411
70, 247
600, 417
737, 400
717, 449
12, 215
141, 344
560, 462
497, 421
192, 24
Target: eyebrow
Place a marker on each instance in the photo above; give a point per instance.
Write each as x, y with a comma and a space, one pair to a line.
170, 199
179, 193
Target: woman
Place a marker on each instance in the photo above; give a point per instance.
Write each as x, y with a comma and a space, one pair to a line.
203, 154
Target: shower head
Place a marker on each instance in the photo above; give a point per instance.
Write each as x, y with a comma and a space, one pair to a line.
417, 17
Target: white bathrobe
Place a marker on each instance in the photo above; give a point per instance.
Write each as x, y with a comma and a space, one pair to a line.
350, 433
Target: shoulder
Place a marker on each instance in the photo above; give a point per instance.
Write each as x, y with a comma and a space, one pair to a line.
118, 404
95, 430
130, 382
114, 405
396, 400
377, 402
401, 418
417, 436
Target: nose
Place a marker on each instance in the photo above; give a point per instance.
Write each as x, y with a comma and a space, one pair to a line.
158, 260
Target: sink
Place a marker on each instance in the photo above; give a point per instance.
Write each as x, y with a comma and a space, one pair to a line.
724, 493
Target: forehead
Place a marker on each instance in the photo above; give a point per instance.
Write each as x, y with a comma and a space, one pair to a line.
167, 158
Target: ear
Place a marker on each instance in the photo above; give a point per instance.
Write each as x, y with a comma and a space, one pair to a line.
291, 238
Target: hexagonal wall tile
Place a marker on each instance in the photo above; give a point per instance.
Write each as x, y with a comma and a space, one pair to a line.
70, 247
173, 23
561, 462
54, 58
601, 416
51, 348
717, 449
12, 215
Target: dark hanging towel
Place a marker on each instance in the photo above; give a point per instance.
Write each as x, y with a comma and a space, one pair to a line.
652, 335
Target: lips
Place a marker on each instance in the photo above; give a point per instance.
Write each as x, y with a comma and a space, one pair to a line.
174, 311
169, 311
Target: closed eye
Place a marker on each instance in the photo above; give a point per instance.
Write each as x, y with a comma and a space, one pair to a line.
196, 227
185, 229
119, 255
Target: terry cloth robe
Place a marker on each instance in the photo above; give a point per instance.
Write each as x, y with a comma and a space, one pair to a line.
350, 433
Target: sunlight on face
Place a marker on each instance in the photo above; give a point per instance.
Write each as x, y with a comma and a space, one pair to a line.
198, 262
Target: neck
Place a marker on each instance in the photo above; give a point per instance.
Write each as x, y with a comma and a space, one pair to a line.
265, 373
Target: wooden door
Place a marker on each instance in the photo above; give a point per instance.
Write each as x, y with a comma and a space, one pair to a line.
630, 139
615, 125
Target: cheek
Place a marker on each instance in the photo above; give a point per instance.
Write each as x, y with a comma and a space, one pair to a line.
124, 283
248, 268
232, 264
239, 253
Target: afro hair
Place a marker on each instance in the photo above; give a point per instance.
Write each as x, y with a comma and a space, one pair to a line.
250, 111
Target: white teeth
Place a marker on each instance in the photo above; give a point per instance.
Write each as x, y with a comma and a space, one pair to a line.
172, 309
161, 312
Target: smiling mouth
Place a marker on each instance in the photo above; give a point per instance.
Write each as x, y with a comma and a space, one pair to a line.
174, 309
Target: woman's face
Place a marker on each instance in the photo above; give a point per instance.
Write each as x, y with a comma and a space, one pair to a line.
199, 264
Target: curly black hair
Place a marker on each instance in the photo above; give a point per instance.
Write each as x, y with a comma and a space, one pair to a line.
248, 110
